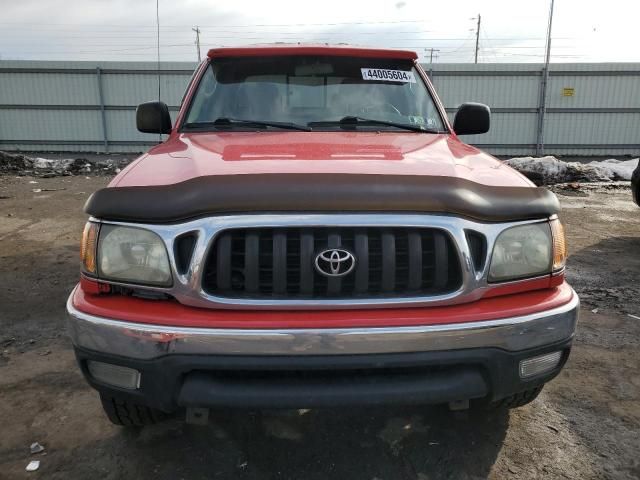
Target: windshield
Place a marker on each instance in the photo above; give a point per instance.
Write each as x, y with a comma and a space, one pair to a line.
317, 91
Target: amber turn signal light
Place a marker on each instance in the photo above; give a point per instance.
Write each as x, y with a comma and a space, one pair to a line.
88, 247
559, 245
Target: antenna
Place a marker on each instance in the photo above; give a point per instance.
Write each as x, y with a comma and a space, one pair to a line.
477, 39
158, 43
544, 85
158, 53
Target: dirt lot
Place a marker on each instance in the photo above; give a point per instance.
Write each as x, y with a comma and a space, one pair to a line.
585, 425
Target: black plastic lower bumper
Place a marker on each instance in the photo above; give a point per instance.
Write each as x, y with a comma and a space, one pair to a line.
176, 381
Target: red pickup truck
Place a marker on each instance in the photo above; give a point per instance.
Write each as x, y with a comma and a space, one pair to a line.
313, 233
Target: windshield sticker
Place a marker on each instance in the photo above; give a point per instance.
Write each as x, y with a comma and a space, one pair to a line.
380, 74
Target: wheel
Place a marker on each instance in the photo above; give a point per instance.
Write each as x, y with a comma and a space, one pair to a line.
519, 399
129, 414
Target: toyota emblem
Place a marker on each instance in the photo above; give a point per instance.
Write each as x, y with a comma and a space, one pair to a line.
335, 262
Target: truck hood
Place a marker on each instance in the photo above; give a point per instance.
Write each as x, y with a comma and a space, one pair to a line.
188, 156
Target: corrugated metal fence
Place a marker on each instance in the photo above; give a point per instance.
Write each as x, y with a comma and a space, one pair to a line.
83, 106
592, 109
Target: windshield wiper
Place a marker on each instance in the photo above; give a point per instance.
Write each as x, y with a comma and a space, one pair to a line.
352, 121
229, 122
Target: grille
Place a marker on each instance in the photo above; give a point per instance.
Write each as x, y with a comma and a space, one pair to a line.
279, 263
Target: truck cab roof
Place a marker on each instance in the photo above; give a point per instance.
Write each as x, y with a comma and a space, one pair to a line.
341, 50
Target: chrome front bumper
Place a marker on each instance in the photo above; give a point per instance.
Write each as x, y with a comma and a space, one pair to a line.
146, 341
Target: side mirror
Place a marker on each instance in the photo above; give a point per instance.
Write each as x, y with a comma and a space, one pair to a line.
153, 117
472, 118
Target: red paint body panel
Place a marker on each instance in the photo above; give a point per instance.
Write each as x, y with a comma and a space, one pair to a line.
187, 156
301, 49
184, 156
171, 313
93, 287
524, 286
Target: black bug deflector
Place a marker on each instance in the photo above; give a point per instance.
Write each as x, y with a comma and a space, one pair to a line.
221, 194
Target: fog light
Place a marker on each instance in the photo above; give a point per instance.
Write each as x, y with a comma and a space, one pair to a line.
115, 375
542, 364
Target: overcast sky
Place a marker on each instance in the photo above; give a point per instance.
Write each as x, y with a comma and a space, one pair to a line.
511, 31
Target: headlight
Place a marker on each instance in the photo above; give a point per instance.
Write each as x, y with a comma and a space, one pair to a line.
520, 252
132, 255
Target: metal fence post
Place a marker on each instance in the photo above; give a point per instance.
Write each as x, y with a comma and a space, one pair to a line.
102, 110
542, 110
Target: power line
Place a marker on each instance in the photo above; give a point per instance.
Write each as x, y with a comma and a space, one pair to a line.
134, 31
462, 46
486, 42
123, 42
441, 48
417, 44
122, 36
152, 47
246, 25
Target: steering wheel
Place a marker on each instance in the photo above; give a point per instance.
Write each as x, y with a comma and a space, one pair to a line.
382, 107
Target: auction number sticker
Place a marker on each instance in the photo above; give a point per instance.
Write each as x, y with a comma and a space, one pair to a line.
384, 75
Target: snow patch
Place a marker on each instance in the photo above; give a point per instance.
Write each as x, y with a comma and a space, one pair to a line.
15, 163
617, 169
550, 170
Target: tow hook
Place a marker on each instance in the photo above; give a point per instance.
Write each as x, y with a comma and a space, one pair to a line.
197, 415
458, 405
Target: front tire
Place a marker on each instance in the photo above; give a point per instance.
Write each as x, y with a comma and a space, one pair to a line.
129, 414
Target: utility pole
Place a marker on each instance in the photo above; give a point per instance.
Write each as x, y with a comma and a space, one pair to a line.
158, 53
543, 87
431, 50
477, 38
197, 30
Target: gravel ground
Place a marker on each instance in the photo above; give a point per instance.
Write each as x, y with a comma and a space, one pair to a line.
585, 425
